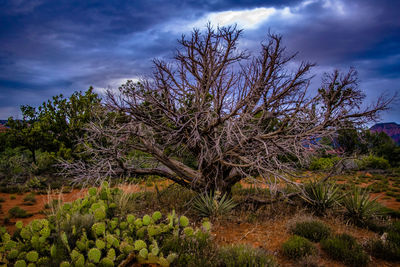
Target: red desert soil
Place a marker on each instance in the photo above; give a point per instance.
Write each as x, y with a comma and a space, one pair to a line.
270, 234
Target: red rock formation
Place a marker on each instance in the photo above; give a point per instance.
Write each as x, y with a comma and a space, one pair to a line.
390, 128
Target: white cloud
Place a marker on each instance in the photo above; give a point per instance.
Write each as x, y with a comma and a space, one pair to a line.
113, 85
245, 19
248, 19
335, 5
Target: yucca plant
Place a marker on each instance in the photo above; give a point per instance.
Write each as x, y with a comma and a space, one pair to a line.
212, 205
360, 207
321, 196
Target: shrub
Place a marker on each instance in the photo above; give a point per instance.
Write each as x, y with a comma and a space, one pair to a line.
242, 255
389, 246
312, 230
30, 199
12, 197
195, 250
309, 261
360, 208
45, 162
15, 162
373, 162
6, 220
297, 247
323, 163
17, 212
36, 183
2, 199
384, 250
344, 248
212, 205
321, 196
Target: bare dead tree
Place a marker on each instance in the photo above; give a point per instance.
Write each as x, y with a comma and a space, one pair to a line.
216, 115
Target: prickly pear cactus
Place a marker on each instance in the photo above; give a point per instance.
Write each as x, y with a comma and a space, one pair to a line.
86, 233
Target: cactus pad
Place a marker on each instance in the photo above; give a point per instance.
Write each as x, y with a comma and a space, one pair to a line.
100, 244
20, 263
143, 253
106, 262
19, 225
184, 221
139, 244
146, 220
156, 216
92, 191
94, 255
130, 218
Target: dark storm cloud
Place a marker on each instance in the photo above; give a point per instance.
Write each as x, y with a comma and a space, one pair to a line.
52, 47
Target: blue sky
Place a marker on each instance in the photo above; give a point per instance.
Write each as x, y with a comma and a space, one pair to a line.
53, 47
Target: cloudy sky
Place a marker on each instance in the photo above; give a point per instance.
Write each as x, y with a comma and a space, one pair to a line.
53, 47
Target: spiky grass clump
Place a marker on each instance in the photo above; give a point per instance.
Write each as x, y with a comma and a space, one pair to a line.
212, 205
360, 208
321, 196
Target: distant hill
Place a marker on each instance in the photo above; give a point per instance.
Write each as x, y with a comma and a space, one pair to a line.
390, 128
3, 121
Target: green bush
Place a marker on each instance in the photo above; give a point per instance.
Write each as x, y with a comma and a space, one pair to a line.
344, 248
312, 230
30, 199
17, 212
388, 247
36, 183
323, 163
297, 247
360, 208
373, 162
384, 250
242, 255
194, 250
15, 162
321, 196
45, 162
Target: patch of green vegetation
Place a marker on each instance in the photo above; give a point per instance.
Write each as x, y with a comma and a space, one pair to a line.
387, 247
360, 208
195, 250
213, 205
313, 230
17, 212
323, 163
321, 196
30, 199
243, 255
344, 248
373, 162
297, 247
